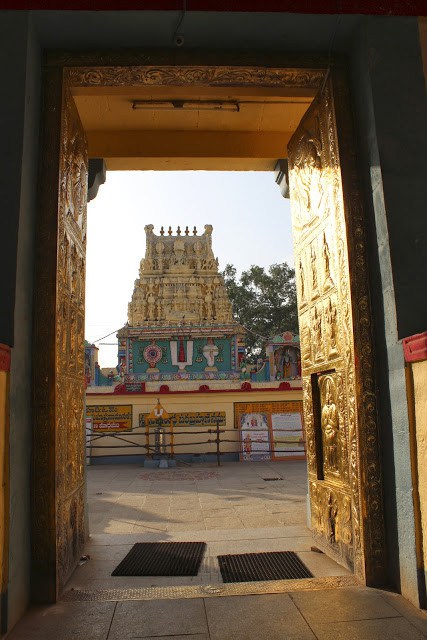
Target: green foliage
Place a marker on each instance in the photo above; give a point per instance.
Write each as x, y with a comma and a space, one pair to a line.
264, 302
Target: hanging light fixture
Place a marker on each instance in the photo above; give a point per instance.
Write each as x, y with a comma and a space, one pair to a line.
187, 105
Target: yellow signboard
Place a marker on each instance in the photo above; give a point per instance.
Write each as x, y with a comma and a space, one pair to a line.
189, 419
110, 418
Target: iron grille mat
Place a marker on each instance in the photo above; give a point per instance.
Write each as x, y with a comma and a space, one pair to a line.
255, 567
162, 559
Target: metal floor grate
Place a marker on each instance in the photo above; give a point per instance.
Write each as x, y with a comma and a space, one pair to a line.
162, 559
252, 567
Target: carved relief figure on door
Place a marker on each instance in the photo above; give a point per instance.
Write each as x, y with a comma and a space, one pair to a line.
328, 282
317, 334
330, 425
331, 327
302, 283
308, 182
306, 353
314, 281
309, 426
317, 516
332, 517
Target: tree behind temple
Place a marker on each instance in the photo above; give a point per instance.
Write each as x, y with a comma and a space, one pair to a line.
264, 302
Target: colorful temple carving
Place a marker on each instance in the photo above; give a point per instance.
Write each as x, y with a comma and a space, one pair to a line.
179, 282
180, 323
284, 356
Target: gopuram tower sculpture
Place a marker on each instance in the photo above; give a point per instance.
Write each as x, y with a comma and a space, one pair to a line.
180, 321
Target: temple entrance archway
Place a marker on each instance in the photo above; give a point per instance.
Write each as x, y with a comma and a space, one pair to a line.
333, 298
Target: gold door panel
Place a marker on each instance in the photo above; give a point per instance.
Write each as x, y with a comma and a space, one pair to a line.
333, 307
59, 394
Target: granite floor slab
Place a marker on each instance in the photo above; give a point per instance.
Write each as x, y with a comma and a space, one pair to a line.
365, 614
233, 510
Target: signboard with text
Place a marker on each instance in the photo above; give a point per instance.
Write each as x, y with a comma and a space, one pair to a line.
270, 430
255, 436
110, 418
188, 419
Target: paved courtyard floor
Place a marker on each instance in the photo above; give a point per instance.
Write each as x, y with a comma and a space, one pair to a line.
236, 508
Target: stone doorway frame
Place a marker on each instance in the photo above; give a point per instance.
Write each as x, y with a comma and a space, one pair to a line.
67, 71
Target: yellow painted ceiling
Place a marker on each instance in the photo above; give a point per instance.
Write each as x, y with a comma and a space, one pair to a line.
127, 138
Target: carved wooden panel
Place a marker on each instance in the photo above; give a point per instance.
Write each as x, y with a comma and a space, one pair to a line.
59, 392
177, 75
331, 292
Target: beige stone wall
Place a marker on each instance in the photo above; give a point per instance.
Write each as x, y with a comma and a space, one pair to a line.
419, 371
181, 403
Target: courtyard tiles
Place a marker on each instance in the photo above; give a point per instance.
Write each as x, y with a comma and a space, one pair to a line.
254, 617
234, 511
346, 614
230, 497
390, 629
66, 621
158, 618
232, 508
339, 605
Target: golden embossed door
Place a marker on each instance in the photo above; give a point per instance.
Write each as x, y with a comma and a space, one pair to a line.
59, 393
344, 473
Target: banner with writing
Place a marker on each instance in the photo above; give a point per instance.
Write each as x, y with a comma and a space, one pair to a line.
270, 430
110, 418
188, 419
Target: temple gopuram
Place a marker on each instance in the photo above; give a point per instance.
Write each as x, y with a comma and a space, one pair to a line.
180, 323
182, 369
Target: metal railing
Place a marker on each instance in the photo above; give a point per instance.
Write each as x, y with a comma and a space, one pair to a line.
161, 441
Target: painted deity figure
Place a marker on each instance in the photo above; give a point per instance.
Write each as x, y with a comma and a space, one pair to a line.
210, 351
287, 364
295, 369
247, 444
122, 368
330, 426
243, 369
278, 362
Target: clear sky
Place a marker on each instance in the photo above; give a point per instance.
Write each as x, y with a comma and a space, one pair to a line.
250, 218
